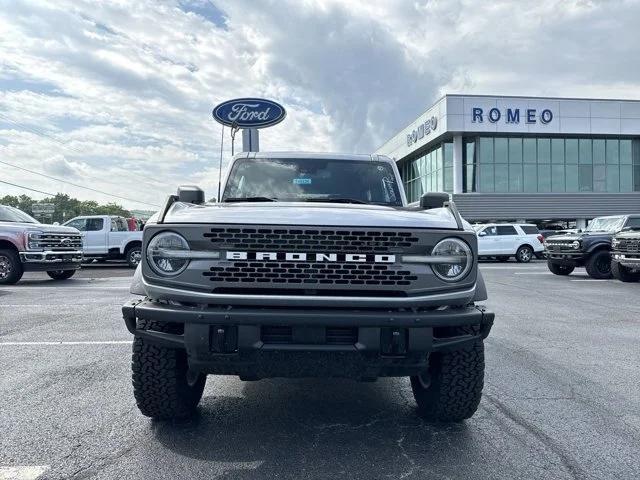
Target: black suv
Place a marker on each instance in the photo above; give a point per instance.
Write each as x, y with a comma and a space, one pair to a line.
625, 253
590, 248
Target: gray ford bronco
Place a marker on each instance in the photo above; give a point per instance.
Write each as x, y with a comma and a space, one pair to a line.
311, 265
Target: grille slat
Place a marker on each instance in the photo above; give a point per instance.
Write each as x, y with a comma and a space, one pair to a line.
330, 273
352, 241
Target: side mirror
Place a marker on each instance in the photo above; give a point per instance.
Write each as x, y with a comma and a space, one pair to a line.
433, 200
190, 194
482, 234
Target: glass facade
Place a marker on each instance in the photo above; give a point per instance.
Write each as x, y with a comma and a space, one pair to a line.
430, 172
541, 165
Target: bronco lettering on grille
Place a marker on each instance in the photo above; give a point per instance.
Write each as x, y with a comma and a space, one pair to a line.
312, 257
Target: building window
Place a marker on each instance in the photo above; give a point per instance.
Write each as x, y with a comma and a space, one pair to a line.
430, 172
539, 165
469, 166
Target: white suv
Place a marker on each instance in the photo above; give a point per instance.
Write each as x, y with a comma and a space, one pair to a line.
505, 240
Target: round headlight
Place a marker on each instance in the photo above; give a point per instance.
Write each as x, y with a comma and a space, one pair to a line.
456, 261
576, 244
165, 254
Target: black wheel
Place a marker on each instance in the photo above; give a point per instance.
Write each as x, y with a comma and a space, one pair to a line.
61, 274
451, 389
10, 267
559, 269
133, 256
524, 254
623, 273
163, 386
599, 265
503, 259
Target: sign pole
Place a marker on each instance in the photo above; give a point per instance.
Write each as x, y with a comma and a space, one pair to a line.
220, 165
250, 140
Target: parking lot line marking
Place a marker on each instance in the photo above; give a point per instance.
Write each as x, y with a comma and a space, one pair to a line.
33, 287
590, 280
532, 273
89, 342
28, 472
531, 267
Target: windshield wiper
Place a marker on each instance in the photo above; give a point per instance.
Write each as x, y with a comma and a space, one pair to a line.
250, 199
336, 200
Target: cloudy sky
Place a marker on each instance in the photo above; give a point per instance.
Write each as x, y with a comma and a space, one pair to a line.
117, 95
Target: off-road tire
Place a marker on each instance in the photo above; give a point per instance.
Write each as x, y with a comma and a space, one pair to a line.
455, 383
160, 384
623, 273
558, 269
130, 256
11, 259
524, 254
61, 274
598, 265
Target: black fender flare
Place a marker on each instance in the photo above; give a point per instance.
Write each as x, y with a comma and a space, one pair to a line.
481, 289
599, 246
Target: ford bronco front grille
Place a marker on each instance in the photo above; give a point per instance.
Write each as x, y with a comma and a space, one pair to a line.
560, 246
629, 246
60, 242
311, 273
316, 240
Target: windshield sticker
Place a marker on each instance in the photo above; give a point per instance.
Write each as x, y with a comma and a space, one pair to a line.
302, 181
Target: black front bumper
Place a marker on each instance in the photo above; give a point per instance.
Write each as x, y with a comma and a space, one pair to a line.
566, 258
361, 343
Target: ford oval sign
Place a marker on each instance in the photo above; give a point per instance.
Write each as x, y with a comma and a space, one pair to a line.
249, 113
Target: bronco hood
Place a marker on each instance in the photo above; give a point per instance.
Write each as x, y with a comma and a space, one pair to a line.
580, 236
312, 214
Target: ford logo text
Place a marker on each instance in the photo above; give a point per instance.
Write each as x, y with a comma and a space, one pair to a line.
249, 113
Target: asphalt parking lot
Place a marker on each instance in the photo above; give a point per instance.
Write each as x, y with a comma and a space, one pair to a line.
562, 396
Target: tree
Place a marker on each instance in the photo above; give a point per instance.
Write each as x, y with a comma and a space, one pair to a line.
65, 207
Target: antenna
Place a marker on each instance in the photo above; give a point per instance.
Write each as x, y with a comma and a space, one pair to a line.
220, 165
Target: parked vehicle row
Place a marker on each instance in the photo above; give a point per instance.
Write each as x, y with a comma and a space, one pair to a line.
592, 249
506, 240
28, 245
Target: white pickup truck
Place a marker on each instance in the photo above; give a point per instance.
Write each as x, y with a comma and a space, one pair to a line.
108, 237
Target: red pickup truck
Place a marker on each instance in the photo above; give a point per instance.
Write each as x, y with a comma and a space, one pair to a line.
27, 245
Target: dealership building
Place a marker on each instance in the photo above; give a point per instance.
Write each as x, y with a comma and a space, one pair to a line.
524, 158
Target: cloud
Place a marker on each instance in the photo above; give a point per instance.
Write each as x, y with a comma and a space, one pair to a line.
119, 94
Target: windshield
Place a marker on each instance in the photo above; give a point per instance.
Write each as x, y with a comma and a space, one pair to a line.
313, 180
10, 214
605, 224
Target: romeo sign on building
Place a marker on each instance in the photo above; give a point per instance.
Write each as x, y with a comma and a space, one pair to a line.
511, 115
